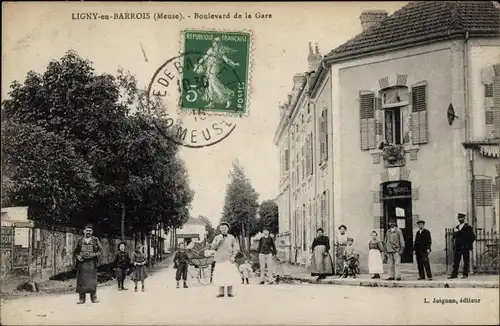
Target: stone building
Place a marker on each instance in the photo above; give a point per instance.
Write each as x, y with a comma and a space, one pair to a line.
403, 122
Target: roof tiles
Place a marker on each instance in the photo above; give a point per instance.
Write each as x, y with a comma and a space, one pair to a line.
422, 21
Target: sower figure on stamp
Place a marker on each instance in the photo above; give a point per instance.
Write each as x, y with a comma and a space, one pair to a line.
463, 239
422, 248
87, 252
266, 250
227, 274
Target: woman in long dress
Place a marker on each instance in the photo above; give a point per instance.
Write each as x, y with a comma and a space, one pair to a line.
216, 92
376, 248
321, 262
341, 245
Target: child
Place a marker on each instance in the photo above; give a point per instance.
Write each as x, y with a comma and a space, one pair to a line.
245, 270
350, 257
180, 263
139, 261
122, 263
376, 248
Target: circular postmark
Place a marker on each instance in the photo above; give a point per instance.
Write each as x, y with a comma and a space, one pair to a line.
173, 86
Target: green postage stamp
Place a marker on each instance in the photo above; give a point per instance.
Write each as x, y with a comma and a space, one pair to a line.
217, 81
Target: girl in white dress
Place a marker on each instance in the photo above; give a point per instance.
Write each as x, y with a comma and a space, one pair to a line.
376, 248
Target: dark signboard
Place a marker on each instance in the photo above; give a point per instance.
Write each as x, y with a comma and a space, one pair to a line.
396, 189
7, 238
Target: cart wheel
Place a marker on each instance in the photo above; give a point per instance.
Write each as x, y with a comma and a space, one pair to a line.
204, 274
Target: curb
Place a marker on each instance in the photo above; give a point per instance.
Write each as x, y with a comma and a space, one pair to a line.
398, 284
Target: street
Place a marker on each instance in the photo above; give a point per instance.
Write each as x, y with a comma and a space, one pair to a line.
255, 304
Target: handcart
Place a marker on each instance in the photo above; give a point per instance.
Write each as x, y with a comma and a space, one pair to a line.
200, 263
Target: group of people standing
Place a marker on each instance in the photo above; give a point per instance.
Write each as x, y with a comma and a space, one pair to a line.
87, 251
389, 250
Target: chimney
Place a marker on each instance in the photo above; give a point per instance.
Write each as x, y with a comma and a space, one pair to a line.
298, 81
370, 18
314, 58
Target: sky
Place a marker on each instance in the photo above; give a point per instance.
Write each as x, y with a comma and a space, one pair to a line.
35, 33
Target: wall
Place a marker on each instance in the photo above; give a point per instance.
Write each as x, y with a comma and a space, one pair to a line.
53, 252
482, 54
193, 229
440, 180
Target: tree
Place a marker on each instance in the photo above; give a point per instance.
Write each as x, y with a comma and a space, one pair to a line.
209, 227
268, 216
81, 147
240, 205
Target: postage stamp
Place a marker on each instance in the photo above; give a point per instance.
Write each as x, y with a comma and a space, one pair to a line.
218, 82
190, 128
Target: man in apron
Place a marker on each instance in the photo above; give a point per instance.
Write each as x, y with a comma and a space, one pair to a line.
226, 274
87, 252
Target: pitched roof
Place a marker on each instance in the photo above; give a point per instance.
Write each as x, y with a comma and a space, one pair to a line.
194, 221
424, 21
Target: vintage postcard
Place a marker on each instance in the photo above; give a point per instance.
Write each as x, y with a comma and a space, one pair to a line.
250, 163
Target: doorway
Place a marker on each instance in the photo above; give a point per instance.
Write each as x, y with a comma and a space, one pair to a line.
397, 204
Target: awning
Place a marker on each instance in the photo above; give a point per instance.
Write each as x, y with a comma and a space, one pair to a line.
490, 150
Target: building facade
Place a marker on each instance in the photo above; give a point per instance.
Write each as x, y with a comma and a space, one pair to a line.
411, 128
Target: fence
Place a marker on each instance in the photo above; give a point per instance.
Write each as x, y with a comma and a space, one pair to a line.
485, 256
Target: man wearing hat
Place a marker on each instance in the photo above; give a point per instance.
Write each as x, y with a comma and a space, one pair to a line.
463, 238
87, 252
266, 250
422, 248
227, 273
394, 247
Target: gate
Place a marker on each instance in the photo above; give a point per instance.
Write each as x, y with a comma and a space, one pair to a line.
485, 257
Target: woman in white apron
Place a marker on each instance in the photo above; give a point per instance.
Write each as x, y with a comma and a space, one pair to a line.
226, 273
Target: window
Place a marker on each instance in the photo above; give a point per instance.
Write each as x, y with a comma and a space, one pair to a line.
287, 160
323, 212
419, 123
303, 163
323, 136
309, 155
393, 128
304, 235
367, 119
302, 118
308, 108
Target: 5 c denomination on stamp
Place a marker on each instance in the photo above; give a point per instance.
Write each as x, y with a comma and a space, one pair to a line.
194, 128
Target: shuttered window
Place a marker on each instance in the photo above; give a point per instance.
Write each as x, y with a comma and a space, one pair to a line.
419, 119
484, 192
496, 106
367, 119
323, 136
287, 160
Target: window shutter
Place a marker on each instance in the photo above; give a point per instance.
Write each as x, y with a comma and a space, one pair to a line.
367, 119
483, 189
419, 119
496, 106
321, 138
325, 134
287, 160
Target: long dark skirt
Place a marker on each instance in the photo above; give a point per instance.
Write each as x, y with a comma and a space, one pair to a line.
86, 276
121, 273
321, 264
140, 273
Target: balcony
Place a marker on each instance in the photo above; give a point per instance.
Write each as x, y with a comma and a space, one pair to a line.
394, 155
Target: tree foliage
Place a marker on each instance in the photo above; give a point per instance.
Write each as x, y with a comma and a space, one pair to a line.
268, 216
80, 147
209, 227
241, 202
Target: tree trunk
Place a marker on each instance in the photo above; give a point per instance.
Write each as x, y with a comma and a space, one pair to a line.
122, 224
243, 235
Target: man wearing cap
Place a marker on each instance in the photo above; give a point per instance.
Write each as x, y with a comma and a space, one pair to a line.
266, 250
87, 252
463, 238
422, 248
227, 274
394, 247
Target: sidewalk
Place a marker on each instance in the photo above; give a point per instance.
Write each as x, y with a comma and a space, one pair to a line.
408, 280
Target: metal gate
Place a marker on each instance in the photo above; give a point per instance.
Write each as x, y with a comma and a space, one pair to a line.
485, 256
